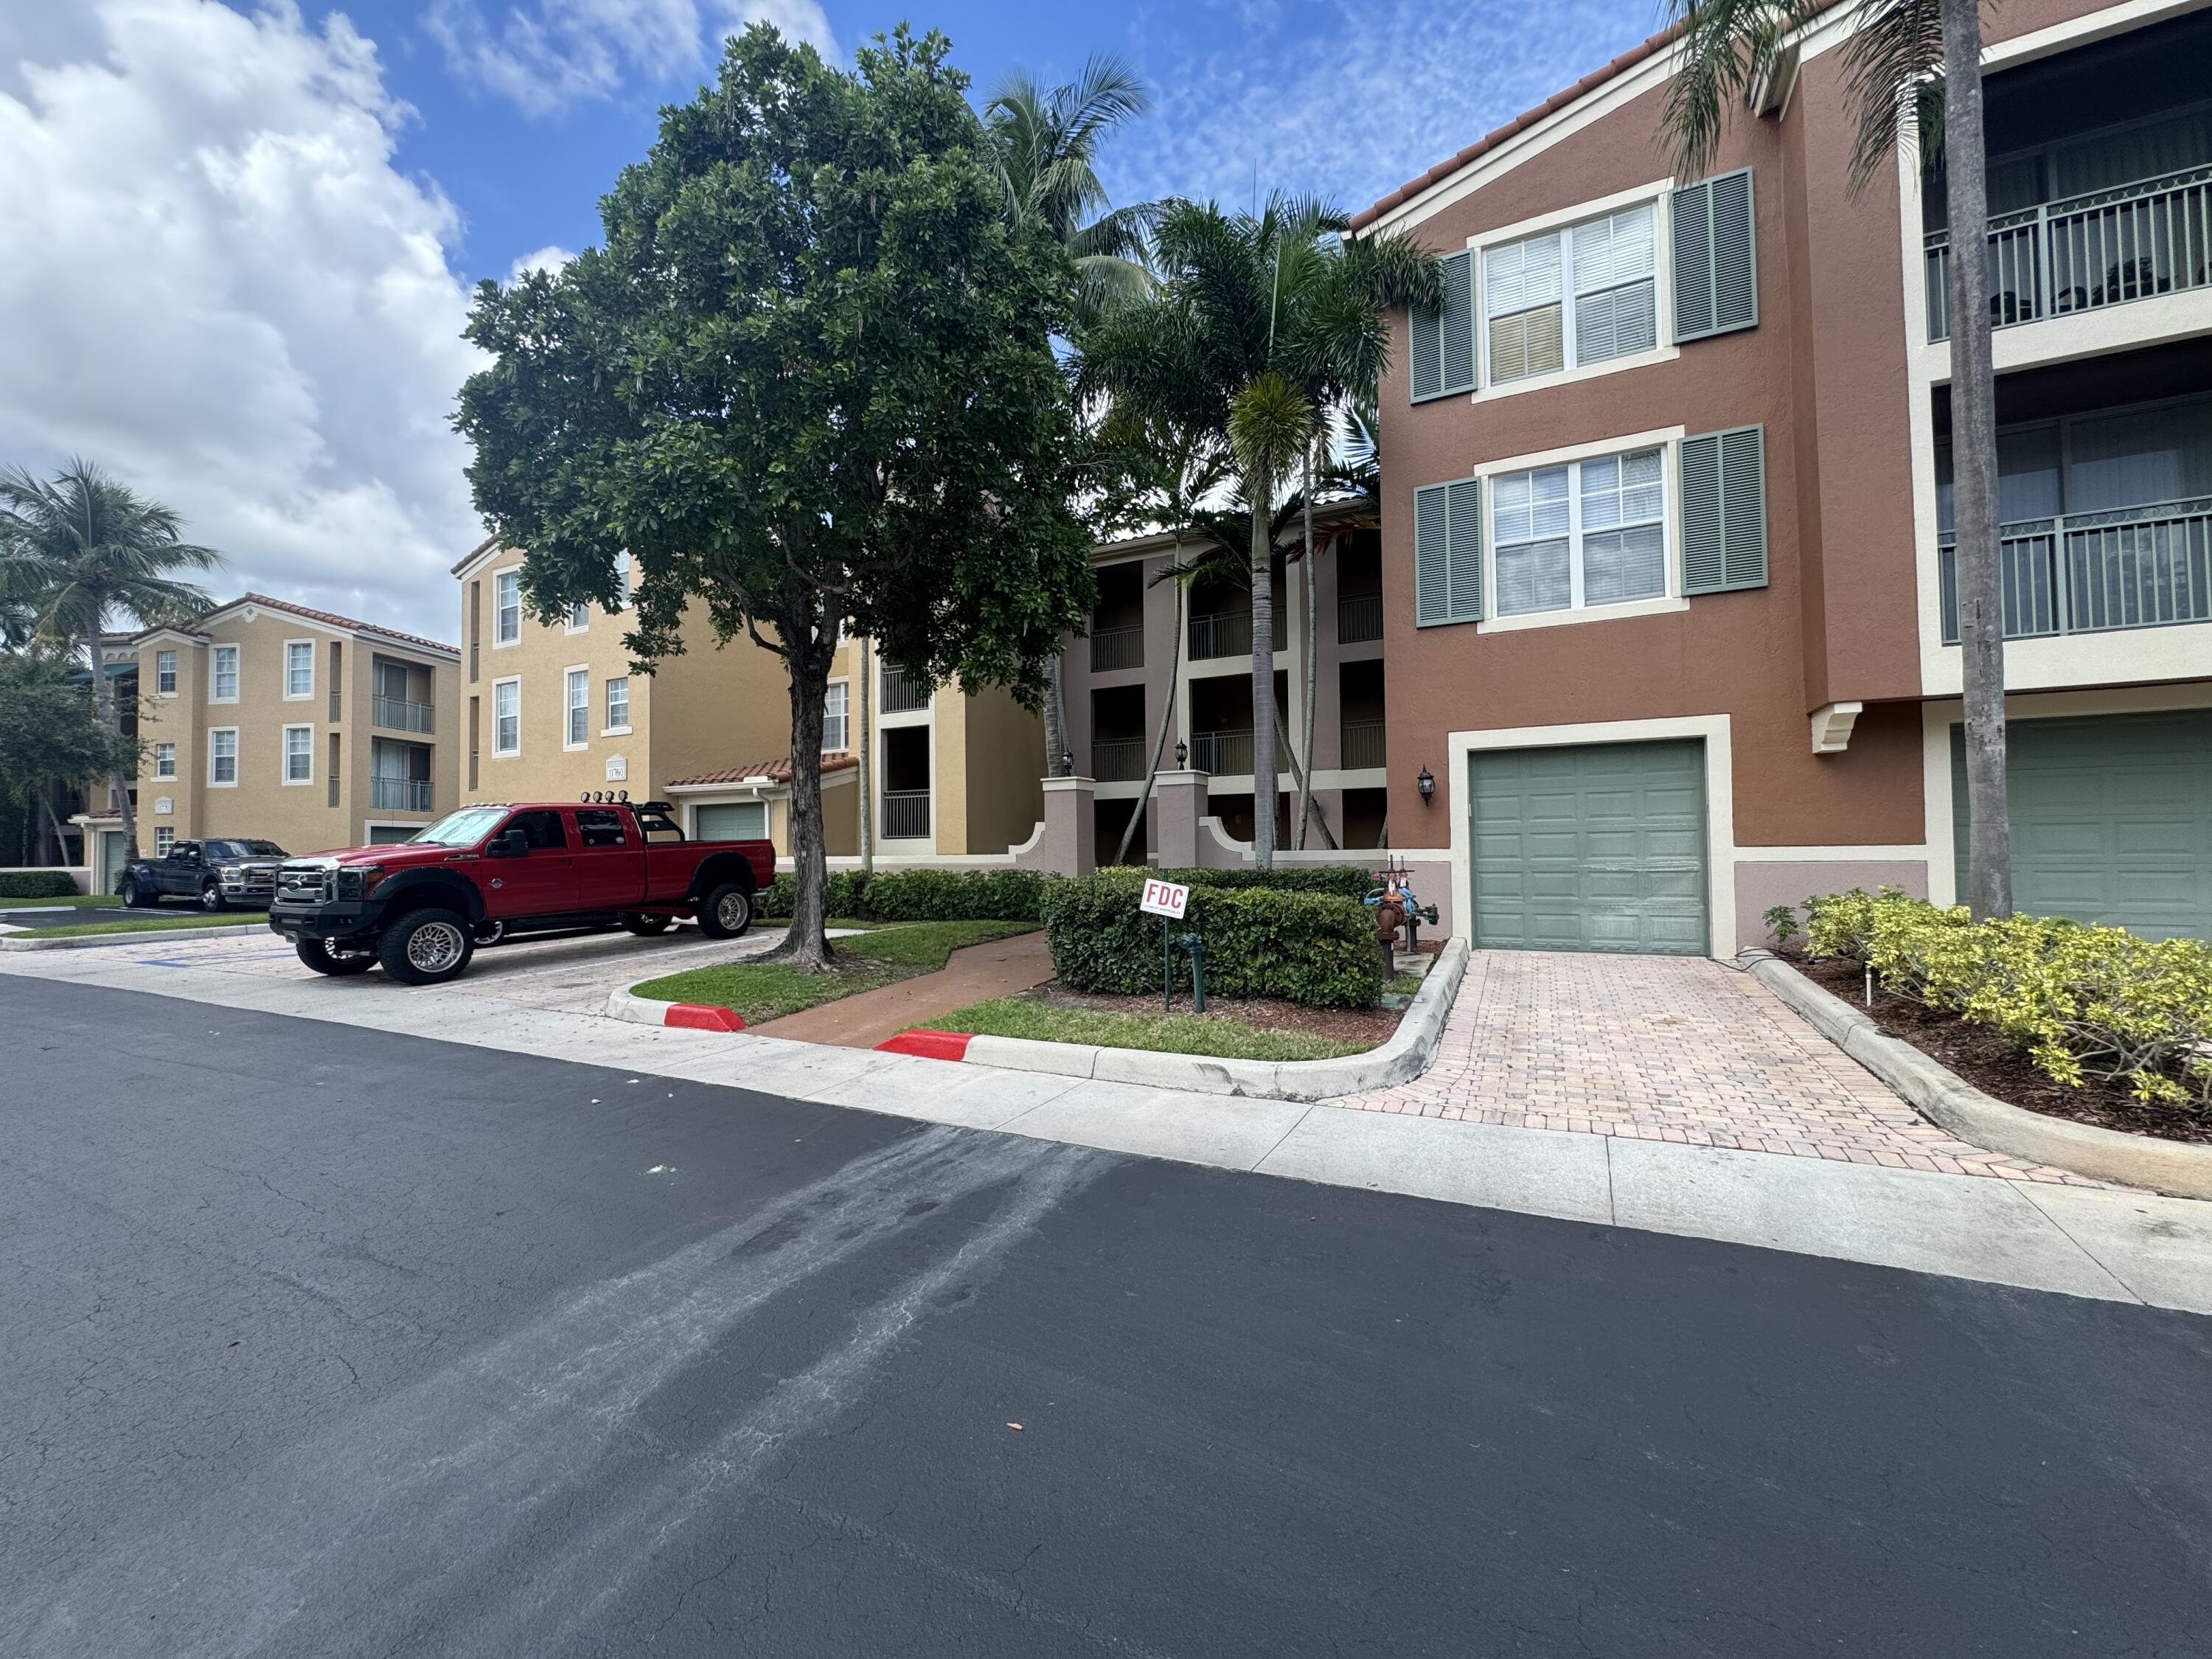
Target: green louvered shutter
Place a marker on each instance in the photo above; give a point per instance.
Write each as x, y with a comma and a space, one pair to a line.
1715, 257
1448, 552
1442, 345
1724, 489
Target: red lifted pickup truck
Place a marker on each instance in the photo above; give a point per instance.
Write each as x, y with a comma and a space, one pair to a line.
418, 907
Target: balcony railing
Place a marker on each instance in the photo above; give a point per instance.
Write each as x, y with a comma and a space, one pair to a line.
901, 694
1222, 753
1222, 634
2090, 573
1358, 619
906, 814
399, 795
398, 714
1118, 760
2086, 252
1116, 648
1362, 742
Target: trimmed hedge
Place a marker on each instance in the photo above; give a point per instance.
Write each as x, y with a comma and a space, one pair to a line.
1314, 948
1344, 880
36, 884
922, 895
2084, 1001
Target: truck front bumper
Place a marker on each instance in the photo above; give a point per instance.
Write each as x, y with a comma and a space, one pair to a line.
329, 920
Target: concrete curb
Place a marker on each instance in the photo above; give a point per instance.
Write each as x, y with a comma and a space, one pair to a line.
87, 941
1410, 1051
1955, 1105
691, 1016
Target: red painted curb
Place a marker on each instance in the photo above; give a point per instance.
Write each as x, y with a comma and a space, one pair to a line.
703, 1017
930, 1045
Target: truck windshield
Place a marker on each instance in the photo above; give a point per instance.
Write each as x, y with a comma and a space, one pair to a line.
462, 829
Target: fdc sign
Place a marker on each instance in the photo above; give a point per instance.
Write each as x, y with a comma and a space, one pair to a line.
1165, 898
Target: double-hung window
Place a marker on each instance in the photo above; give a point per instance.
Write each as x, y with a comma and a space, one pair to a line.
1570, 297
165, 674
222, 686
507, 717
578, 618
299, 668
298, 754
618, 703
165, 842
579, 707
1581, 534
622, 583
222, 754
507, 607
834, 722
165, 760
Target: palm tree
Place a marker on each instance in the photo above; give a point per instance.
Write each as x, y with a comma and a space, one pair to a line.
1044, 148
1259, 325
1913, 77
87, 552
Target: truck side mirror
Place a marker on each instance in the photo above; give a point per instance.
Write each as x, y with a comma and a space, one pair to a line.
509, 843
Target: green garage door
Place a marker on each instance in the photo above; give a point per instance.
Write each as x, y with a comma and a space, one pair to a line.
2112, 818
742, 820
1595, 848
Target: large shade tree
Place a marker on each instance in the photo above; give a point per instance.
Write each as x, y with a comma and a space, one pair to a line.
809, 383
85, 555
51, 738
1261, 323
1913, 77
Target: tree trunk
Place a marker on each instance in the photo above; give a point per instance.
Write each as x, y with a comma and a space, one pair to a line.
807, 946
1262, 494
1055, 723
867, 758
103, 702
1299, 782
1167, 718
54, 825
1974, 467
1313, 660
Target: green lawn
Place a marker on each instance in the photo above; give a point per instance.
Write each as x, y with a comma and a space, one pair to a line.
1175, 1034
69, 902
761, 991
155, 923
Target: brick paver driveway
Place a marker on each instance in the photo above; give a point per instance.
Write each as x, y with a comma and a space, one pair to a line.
1669, 1048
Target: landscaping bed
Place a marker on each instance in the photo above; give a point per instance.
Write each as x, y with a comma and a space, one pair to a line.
1231, 1028
1986, 1058
761, 991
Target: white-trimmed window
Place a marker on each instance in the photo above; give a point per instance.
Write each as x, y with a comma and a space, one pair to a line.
1580, 534
1578, 295
222, 756
164, 839
622, 583
298, 754
579, 619
618, 704
837, 726
165, 674
507, 717
507, 607
579, 692
222, 681
165, 760
298, 669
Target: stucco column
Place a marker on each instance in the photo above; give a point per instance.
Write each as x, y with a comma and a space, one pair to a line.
1179, 801
1069, 843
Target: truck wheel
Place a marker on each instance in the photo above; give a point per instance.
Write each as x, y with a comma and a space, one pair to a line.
490, 933
324, 960
646, 927
211, 897
727, 912
138, 898
426, 947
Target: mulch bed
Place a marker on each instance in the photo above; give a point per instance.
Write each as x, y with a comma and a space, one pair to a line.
1986, 1058
1368, 1025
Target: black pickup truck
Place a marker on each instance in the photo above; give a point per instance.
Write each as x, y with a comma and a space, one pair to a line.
213, 874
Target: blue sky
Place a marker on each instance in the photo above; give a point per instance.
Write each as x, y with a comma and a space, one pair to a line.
243, 231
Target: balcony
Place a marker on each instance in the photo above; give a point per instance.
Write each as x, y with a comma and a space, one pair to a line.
1112, 649
900, 693
906, 814
399, 795
2093, 573
1227, 754
1119, 760
1362, 744
1220, 633
398, 714
1358, 619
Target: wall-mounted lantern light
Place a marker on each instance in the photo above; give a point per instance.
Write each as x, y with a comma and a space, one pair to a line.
1067, 762
1426, 784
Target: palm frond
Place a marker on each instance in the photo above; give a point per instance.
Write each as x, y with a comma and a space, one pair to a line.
1726, 46
1892, 82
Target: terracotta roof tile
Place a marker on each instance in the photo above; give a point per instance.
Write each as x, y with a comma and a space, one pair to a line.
776, 771
336, 620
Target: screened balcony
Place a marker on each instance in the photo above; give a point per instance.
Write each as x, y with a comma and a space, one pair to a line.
2100, 180
1117, 624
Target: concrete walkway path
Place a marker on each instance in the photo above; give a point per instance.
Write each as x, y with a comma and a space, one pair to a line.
972, 973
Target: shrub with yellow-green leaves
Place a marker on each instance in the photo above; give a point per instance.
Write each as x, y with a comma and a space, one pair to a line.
2085, 1002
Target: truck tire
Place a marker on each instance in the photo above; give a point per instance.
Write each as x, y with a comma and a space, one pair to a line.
727, 912
491, 932
426, 947
211, 897
137, 896
644, 925
319, 957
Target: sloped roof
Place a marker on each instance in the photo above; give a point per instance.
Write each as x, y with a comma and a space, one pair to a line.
472, 554
774, 771
330, 618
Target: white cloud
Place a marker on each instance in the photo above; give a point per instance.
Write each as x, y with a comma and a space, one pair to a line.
549, 259
1369, 94
565, 52
219, 286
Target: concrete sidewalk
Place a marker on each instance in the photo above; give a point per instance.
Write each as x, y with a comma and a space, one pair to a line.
997, 968
2117, 1246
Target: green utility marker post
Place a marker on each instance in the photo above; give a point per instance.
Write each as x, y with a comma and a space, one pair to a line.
1167, 900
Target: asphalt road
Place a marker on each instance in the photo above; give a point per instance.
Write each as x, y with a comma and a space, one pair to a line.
315, 1342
